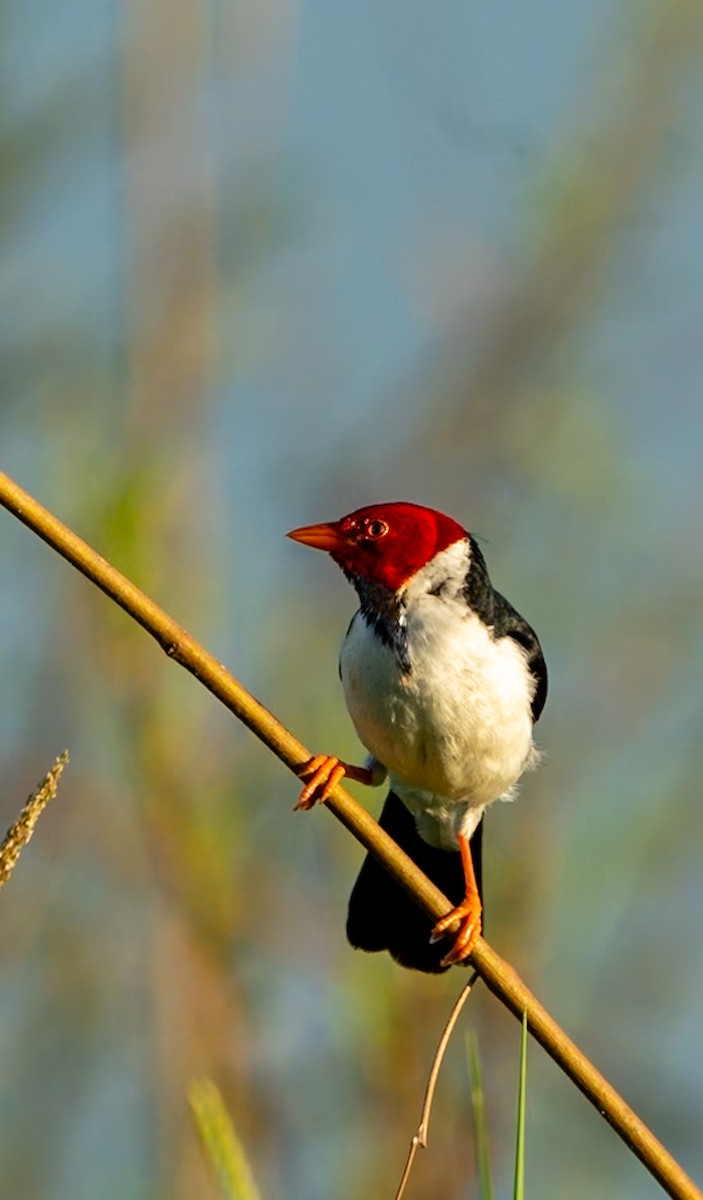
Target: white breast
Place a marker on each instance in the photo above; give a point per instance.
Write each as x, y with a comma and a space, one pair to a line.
455, 733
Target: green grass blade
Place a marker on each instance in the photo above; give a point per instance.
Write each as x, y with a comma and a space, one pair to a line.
222, 1146
478, 1105
519, 1186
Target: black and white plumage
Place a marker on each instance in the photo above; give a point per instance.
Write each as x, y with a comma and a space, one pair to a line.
444, 681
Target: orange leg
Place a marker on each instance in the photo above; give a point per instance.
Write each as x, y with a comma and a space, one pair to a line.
467, 914
325, 773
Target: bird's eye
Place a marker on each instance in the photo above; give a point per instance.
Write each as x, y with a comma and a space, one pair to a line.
376, 529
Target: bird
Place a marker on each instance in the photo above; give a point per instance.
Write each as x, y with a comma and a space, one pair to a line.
443, 681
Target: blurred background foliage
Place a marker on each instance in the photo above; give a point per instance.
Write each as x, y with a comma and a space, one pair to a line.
262, 263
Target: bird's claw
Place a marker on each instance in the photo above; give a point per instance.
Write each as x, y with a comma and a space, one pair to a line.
468, 914
325, 773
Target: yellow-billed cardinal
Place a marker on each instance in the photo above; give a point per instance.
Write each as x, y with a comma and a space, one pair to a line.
443, 680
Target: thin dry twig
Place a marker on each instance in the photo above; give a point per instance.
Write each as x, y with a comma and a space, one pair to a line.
419, 1139
22, 829
498, 975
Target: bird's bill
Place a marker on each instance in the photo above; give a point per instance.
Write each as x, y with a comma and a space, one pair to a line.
320, 537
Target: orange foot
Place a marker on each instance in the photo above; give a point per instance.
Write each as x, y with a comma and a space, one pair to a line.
468, 914
325, 773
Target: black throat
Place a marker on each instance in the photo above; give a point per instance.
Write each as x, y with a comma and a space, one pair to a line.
383, 612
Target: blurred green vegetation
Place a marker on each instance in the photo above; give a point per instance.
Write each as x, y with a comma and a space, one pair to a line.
185, 404
223, 1148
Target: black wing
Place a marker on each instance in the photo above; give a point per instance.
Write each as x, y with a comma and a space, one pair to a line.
508, 623
495, 610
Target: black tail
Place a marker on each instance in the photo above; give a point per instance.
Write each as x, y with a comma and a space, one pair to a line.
382, 915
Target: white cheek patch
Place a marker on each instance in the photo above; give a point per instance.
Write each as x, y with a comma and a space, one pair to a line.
446, 572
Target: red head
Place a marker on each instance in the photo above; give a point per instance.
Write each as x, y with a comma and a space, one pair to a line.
385, 543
